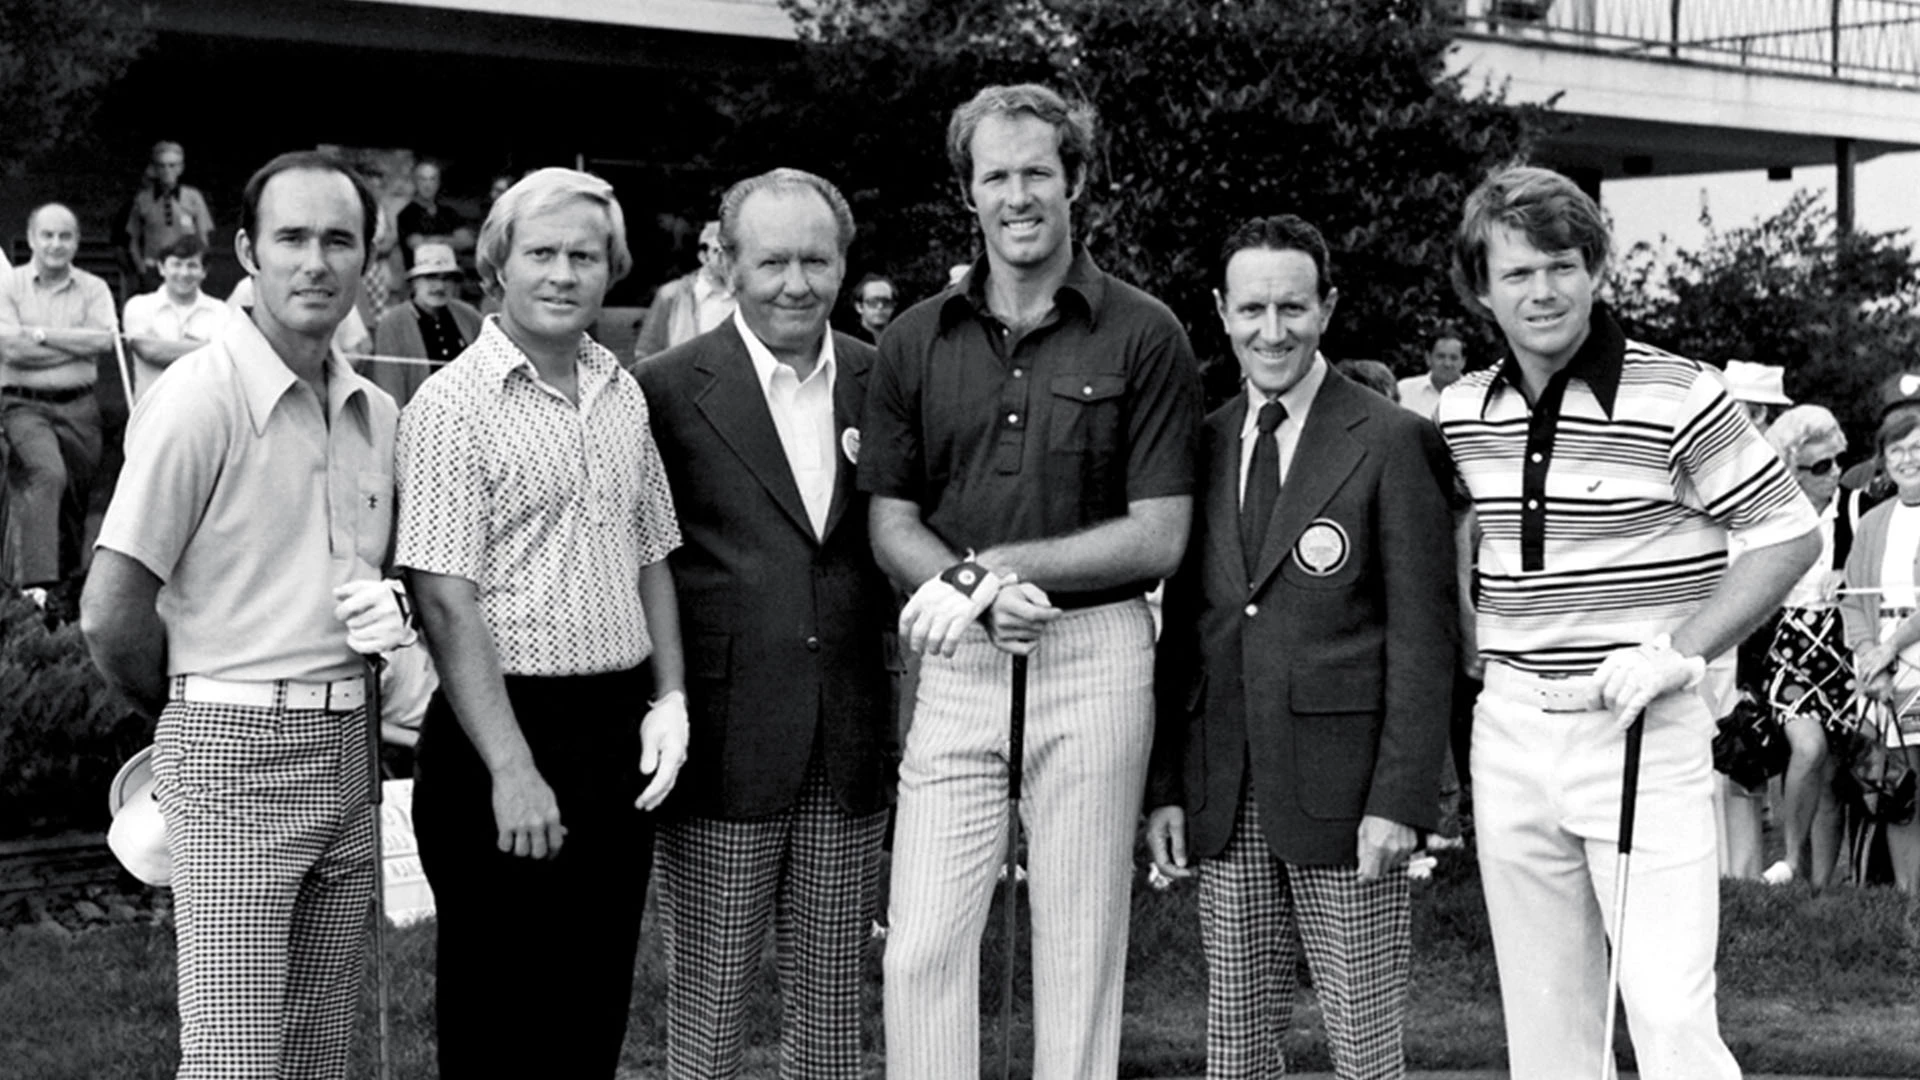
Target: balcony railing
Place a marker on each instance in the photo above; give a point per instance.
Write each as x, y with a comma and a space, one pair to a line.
1870, 41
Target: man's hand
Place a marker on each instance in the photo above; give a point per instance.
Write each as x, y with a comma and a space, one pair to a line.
1632, 679
371, 611
1873, 667
1018, 614
939, 613
1383, 847
527, 814
663, 747
1167, 841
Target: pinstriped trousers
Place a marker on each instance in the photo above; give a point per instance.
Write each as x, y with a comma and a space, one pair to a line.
1089, 729
1358, 940
271, 835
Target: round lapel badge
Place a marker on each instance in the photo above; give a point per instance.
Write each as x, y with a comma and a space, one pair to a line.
850, 444
1322, 548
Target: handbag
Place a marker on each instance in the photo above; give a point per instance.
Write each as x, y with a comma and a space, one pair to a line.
1750, 744
1883, 776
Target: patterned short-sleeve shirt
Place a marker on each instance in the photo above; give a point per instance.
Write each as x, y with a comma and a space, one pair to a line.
551, 509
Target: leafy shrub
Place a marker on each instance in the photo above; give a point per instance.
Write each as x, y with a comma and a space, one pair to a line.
63, 733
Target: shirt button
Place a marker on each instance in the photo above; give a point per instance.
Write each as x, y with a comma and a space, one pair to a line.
1533, 504
1013, 418
1017, 373
1537, 459
1252, 610
1086, 391
813, 644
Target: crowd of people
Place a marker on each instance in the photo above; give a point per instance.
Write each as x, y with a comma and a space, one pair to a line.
668, 599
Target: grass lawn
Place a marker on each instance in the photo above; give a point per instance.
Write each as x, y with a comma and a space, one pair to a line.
1813, 983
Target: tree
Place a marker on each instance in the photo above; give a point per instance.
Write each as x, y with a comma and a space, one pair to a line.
1837, 311
56, 57
1212, 111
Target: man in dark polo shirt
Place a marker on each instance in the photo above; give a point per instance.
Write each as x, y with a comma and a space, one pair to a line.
1031, 429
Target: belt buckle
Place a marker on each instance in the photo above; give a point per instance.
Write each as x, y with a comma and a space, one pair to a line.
1562, 698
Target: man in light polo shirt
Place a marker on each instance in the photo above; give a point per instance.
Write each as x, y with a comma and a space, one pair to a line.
1446, 360
175, 319
1608, 477
236, 584
56, 321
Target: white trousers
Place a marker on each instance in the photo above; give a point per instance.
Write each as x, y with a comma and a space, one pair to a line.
1089, 730
1547, 809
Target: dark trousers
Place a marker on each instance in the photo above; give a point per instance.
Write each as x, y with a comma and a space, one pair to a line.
536, 957
56, 449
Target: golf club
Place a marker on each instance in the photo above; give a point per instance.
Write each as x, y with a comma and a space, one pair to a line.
376, 795
1016, 765
1629, 795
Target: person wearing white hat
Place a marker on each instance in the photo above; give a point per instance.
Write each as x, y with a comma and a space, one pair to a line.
236, 585
1761, 388
434, 326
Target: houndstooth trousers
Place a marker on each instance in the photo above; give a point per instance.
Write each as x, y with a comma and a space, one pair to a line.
1089, 728
271, 833
809, 874
1357, 937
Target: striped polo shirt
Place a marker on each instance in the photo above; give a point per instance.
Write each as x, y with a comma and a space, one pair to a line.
1606, 506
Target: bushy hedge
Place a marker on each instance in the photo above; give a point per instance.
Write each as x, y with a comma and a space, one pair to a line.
63, 733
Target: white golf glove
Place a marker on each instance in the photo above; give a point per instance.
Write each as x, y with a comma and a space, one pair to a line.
945, 604
1631, 679
374, 616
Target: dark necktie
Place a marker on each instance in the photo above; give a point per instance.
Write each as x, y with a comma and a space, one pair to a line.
1263, 484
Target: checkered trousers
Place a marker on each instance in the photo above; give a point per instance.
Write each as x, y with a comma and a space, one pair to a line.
1357, 939
271, 835
809, 873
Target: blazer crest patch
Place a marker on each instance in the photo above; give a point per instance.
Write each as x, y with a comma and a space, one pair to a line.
1323, 548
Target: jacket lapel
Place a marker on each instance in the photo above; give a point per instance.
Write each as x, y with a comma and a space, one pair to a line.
1323, 457
734, 404
849, 399
1223, 491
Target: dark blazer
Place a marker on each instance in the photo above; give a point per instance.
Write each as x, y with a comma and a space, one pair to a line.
788, 637
1332, 670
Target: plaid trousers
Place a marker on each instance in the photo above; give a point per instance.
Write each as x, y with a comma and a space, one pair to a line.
810, 872
1357, 937
271, 835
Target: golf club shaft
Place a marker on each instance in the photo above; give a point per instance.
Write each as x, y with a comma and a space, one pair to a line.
1016, 767
1629, 798
376, 797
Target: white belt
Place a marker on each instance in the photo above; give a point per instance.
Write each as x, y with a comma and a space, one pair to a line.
1566, 694
339, 696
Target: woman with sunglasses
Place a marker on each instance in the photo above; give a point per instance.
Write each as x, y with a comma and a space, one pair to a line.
1882, 631
1808, 675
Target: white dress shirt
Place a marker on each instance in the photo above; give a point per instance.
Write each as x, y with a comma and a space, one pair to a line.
1298, 401
803, 415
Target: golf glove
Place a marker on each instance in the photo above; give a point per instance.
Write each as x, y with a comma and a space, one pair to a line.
374, 615
943, 606
1631, 679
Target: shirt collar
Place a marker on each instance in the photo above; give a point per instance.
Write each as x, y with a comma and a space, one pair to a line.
766, 365
39, 281
1597, 363
499, 358
1085, 290
265, 378
1297, 399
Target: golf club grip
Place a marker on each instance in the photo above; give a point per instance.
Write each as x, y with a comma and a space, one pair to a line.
1630, 783
1017, 729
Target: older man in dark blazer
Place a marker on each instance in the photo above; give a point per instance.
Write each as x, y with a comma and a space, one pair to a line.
779, 816
1304, 675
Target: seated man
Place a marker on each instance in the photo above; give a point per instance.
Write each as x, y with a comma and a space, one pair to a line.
175, 319
55, 322
434, 326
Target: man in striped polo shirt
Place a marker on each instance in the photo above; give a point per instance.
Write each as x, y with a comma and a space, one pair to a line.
1607, 477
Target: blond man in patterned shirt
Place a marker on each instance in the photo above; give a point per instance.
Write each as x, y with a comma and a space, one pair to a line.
535, 523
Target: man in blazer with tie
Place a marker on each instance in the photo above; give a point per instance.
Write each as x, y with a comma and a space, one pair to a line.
1304, 675
785, 617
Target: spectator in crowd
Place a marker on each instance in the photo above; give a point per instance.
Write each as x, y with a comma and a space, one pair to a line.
1882, 630
175, 319
498, 187
689, 306
261, 756
436, 325
1588, 623
874, 300
1373, 375
980, 395
164, 210
1808, 673
778, 820
1446, 362
535, 524
1296, 618
56, 324
1759, 388
425, 219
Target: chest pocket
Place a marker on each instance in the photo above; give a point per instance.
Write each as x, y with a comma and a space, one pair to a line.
1086, 413
373, 517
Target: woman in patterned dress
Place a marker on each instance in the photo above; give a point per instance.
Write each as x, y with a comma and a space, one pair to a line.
1808, 670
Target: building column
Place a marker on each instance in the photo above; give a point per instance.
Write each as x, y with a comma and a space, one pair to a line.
1843, 185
